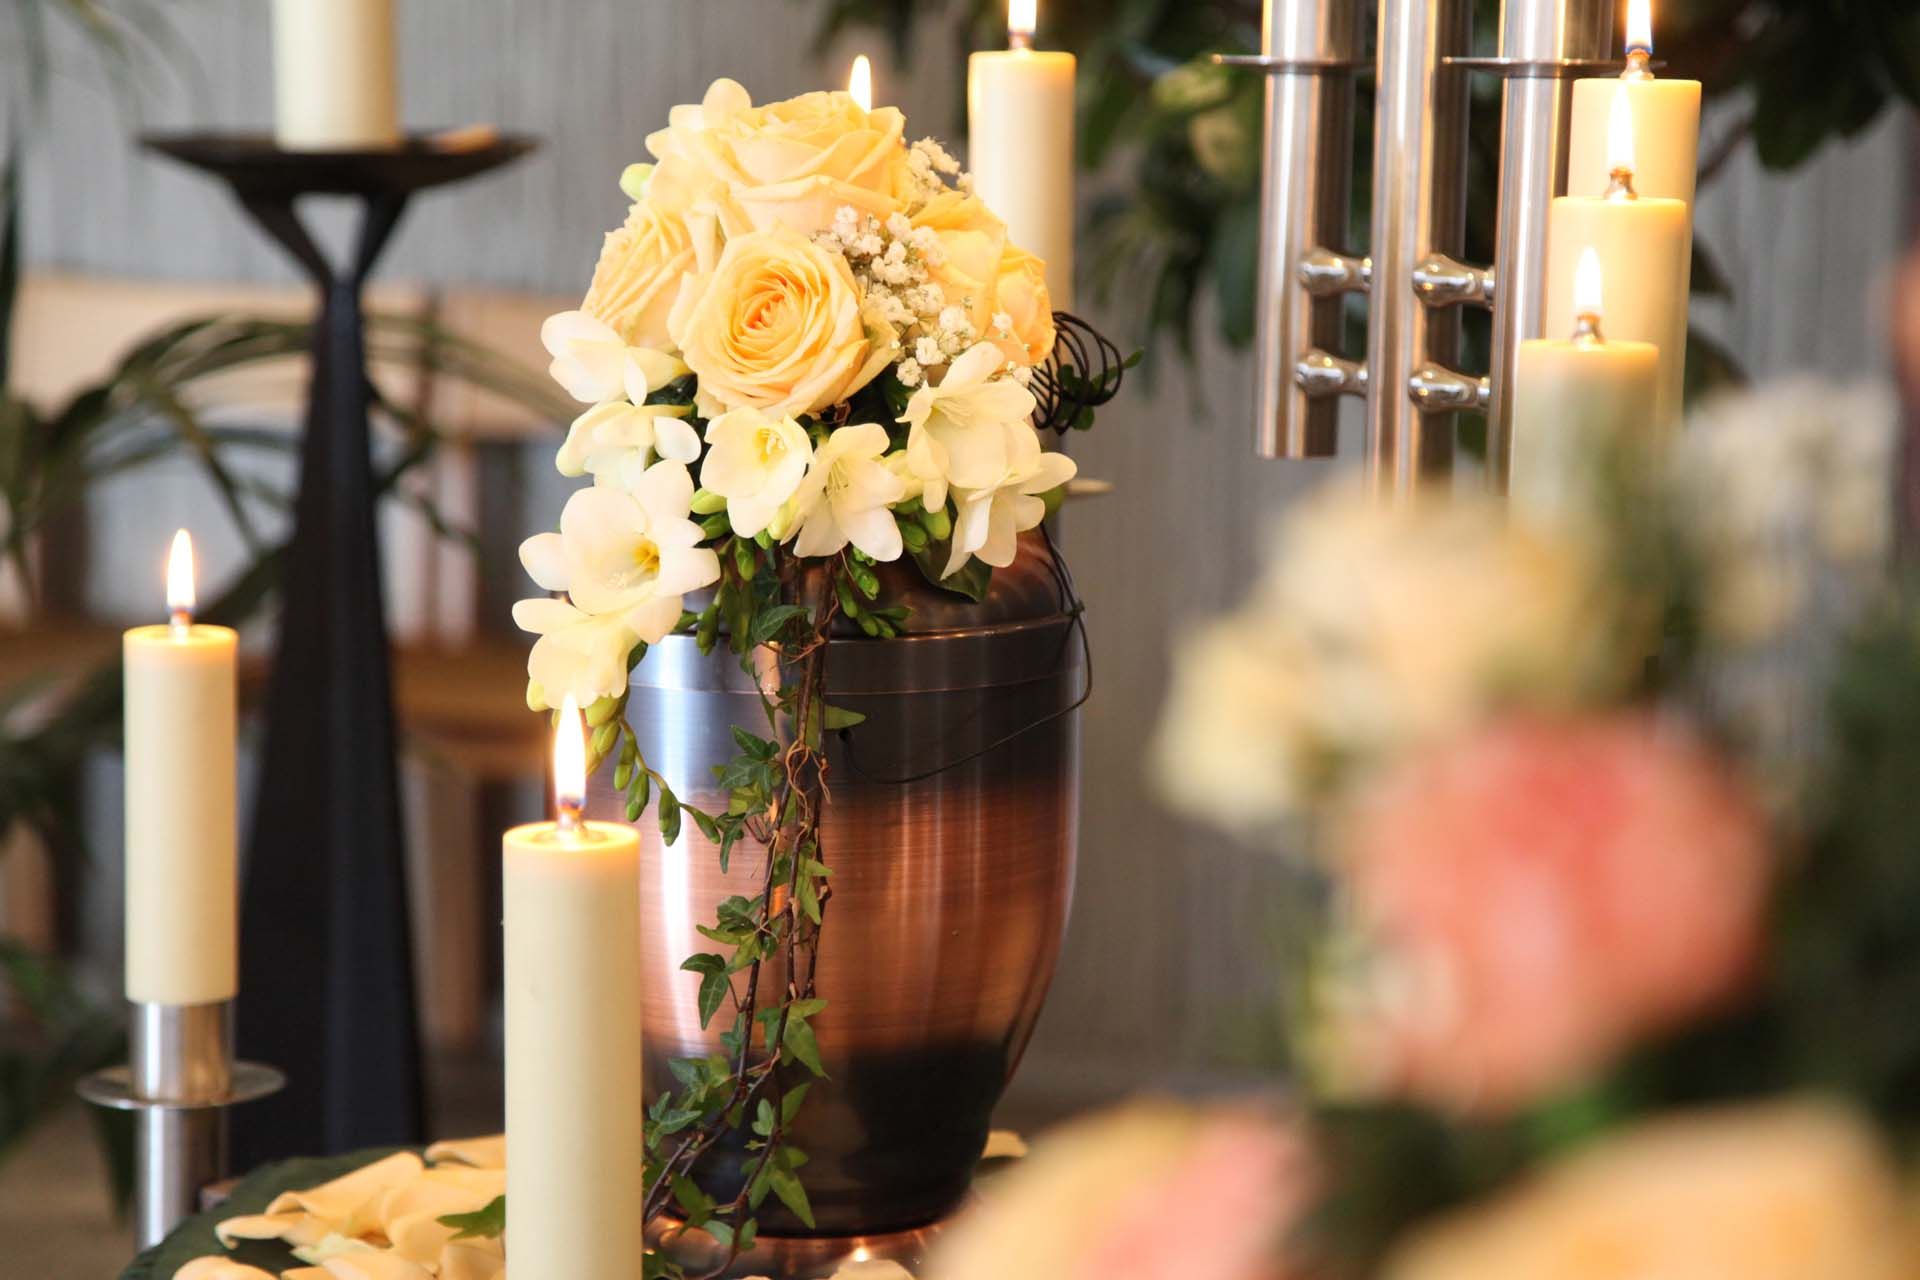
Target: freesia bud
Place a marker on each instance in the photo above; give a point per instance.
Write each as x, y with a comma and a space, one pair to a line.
603, 709
633, 180
939, 524
706, 502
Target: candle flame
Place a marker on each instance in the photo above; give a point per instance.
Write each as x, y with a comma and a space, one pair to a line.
180, 598
1589, 296
569, 762
1640, 26
1620, 132
1023, 19
860, 82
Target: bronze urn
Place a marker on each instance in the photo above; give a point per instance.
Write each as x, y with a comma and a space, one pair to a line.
950, 827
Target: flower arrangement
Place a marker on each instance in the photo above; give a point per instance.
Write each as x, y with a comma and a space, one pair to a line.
1604, 814
808, 351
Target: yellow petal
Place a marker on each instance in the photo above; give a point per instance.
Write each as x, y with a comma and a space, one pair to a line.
473, 1260
1004, 1144
296, 1228
345, 1200
219, 1269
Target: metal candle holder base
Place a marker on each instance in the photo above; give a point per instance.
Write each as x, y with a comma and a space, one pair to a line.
180, 1082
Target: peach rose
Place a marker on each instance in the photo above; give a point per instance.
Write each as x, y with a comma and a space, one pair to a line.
792, 163
777, 326
972, 240
1021, 296
638, 275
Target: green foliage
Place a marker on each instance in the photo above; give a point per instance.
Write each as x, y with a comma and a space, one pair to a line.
486, 1223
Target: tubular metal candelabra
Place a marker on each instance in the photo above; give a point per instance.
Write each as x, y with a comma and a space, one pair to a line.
1413, 278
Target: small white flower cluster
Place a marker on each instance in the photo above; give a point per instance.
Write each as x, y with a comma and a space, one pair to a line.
893, 261
935, 170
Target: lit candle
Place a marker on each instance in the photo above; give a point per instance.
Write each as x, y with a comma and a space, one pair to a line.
180, 708
1642, 245
860, 82
571, 890
1020, 142
1666, 122
333, 75
1572, 395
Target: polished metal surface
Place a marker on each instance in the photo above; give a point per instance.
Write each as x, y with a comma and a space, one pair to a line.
950, 828
1419, 209
1308, 48
1440, 281
1535, 117
1322, 374
179, 1083
1324, 273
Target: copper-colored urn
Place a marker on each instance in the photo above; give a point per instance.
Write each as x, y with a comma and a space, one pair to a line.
950, 829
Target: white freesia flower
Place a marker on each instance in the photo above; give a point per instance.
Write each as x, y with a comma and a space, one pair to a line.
755, 462
616, 441
957, 430
593, 363
846, 496
625, 559
991, 519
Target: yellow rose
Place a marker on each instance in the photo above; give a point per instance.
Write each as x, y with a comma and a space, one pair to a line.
972, 240
1021, 297
792, 163
777, 326
638, 276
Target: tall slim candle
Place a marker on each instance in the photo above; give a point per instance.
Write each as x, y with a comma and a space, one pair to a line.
181, 911
1020, 145
333, 75
1642, 244
575, 1142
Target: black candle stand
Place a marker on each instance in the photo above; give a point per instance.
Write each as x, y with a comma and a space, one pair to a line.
327, 985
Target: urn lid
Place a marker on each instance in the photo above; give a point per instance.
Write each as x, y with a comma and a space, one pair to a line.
1032, 588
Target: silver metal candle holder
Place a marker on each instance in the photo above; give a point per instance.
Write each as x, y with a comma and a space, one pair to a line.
179, 1083
1413, 280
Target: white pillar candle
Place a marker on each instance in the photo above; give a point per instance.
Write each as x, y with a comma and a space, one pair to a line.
1642, 244
575, 1108
333, 74
1571, 395
1666, 123
181, 908
1020, 146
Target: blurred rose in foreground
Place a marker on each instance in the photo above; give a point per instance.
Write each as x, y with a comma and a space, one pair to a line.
1540, 895
1798, 1190
1155, 1191
1376, 627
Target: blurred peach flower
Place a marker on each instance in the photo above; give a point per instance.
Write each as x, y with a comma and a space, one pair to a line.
1791, 1190
1536, 898
1097, 1200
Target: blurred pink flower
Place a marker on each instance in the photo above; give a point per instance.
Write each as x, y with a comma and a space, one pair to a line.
1152, 1191
1544, 894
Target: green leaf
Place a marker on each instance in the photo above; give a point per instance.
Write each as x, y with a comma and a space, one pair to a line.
770, 622
669, 815
841, 718
790, 1104
755, 747
688, 1195
713, 993
488, 1223
799, 1041
971, 581
787, 1186
763, 1120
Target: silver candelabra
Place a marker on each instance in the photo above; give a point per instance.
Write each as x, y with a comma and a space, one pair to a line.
1414, 279
179, 1083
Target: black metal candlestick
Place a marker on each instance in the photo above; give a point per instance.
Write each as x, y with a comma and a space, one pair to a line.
326, 963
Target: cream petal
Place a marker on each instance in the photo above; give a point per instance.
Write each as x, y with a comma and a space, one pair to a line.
676, 440
543, 614
686, 569
215, 1268
472, 1260
974, 366
489, 1152
294, 1227
646, 370
1003, 543
665, 492
375, 1266
653, 620
332, 1245
544, 556
873, 531
977, 455
340, 1200
820, 533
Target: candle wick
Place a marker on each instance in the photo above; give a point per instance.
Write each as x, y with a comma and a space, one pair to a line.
1017, 39
569, 821
1620, 185
1639, 64
1586, 329
180, 623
